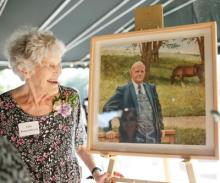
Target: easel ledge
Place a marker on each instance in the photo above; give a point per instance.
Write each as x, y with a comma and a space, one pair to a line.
112, 159
112, 178
133, 180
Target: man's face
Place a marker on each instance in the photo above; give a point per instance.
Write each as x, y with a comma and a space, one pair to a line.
138, 73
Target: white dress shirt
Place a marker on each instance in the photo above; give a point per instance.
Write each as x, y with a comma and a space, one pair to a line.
136, 88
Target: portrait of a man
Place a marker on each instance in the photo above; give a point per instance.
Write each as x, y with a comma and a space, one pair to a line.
155, 83
152, 92
142, 97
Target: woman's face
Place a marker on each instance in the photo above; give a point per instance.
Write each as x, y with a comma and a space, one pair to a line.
47, 73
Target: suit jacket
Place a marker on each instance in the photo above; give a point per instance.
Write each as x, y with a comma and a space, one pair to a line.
125, 97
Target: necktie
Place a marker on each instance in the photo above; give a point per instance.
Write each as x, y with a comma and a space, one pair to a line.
139, 89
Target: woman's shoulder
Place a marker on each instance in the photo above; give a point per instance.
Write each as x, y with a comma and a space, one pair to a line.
67, 88
4, 97
69, 91
5, 94
70, 95
8, 94
6, 101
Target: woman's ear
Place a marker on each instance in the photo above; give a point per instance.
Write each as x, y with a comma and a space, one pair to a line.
24, 73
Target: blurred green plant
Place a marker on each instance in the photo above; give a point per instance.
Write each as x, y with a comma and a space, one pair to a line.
190, 136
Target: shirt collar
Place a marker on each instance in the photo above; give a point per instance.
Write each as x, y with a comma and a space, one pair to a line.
136, 87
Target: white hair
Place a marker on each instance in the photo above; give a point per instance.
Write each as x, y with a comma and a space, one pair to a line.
137, 63
27, 47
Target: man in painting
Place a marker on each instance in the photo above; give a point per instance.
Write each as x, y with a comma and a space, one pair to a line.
143, 98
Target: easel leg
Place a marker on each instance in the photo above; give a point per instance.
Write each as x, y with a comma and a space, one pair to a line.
111, 167
190, 172
166, 169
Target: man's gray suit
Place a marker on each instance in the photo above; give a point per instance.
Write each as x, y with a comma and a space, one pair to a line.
125, 97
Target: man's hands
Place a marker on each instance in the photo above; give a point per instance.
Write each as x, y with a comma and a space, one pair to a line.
100, 178
111, 134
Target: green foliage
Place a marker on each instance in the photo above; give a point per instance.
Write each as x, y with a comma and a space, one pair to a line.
190, 136
61, 99
72, 99
117, 65
178, 101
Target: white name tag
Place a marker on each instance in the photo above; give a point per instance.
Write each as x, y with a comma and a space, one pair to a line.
28, 128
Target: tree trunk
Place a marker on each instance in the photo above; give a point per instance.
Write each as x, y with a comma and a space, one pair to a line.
146, 57
156, 47
200, 41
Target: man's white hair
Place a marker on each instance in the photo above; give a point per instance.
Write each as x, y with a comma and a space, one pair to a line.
137, 63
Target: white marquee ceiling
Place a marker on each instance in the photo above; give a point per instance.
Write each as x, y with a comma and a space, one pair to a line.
76, 21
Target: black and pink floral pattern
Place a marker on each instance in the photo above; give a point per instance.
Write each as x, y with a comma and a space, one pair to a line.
50, 156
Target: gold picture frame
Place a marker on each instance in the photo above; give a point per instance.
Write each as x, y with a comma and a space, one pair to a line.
190, 130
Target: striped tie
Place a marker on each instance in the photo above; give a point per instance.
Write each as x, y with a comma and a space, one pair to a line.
139, 89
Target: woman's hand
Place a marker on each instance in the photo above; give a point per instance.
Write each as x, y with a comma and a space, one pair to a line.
100, 178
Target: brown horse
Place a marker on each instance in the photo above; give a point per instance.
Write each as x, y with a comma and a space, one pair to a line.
188, 71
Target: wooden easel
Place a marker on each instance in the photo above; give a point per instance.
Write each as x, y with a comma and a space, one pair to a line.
149, 18
189, 169
110, 170
111, 166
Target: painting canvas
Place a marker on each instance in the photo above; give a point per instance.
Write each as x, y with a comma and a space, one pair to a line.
180, 62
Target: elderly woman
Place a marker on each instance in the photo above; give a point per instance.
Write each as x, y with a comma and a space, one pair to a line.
41, 118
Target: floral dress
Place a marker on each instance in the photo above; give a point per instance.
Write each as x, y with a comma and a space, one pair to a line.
50, 155
12, 168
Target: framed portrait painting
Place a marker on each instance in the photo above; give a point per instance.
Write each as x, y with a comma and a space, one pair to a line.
151, 92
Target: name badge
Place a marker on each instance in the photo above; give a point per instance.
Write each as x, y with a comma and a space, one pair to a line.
28, 128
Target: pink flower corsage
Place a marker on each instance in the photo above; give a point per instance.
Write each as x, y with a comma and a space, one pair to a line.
64, 105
